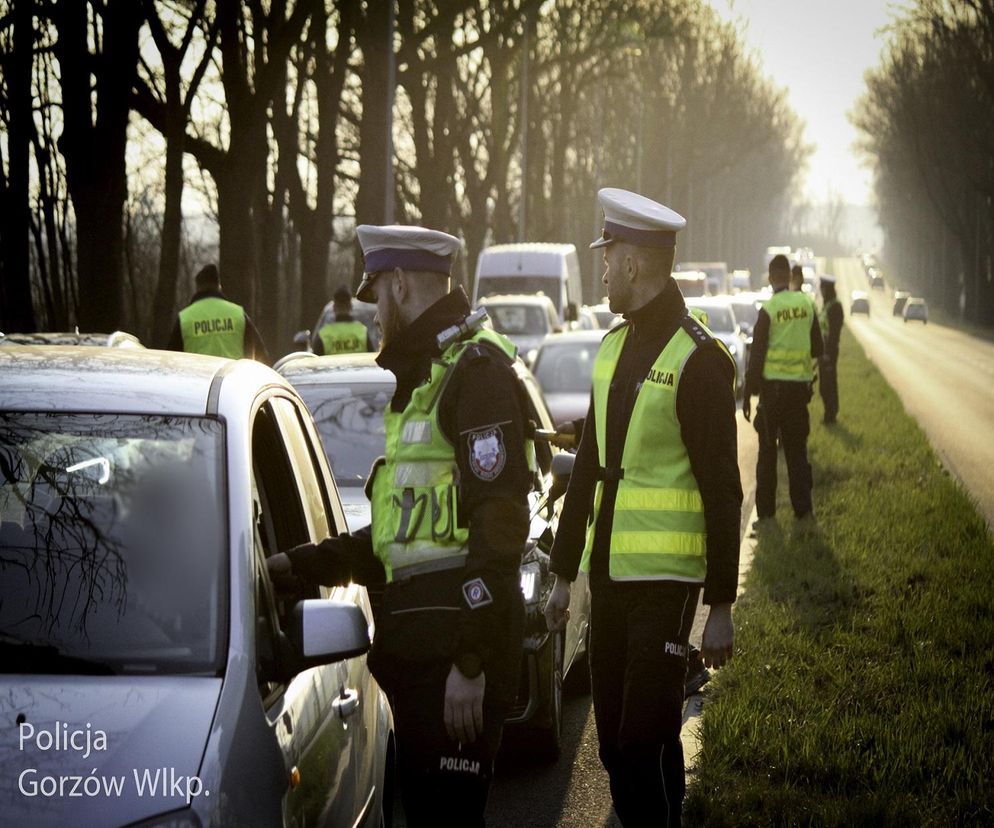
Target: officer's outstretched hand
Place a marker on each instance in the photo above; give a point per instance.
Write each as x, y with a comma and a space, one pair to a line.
280, 570
557, 607
719, 635
747, 407
464, 706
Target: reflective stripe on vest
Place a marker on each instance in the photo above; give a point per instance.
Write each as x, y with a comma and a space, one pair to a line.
213, 326
788, 356
343, 337
658, 531
415, 491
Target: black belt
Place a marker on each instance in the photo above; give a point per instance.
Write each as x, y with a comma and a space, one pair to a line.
613, 474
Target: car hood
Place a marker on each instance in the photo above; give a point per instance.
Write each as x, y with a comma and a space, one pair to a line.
154, 724
526, 342
356, 506
566, 407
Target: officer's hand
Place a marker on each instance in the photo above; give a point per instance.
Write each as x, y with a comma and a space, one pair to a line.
464, 706
557, 607
719, 635
747, 407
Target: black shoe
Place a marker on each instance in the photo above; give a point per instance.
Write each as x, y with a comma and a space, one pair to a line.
697, 675
761, 524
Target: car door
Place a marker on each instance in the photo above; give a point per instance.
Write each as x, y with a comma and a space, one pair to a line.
358, 707
309, 715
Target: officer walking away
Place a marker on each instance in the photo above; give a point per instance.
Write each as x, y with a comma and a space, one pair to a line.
211, 324
449, 525
343, 335
785, 342
830, 319
656, 478
796, 278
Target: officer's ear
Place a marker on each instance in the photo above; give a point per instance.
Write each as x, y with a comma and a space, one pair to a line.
400, 285
631, 267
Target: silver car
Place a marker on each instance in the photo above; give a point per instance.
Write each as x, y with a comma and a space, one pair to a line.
564, 368
150, 673
721, 322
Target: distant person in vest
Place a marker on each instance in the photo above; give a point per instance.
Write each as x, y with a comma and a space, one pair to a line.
211, 324
830, 319
450, 522
785, 342
344, 335
796, 278
656, 479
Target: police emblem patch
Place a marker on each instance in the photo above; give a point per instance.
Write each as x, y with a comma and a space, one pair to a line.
487, 454
476, 593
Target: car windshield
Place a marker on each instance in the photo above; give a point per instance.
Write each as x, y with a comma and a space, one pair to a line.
493, 285
350, 421
527, 320
566, 367
720, 319
746, 313
112, 543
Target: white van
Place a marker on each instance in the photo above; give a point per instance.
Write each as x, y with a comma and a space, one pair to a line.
532, 268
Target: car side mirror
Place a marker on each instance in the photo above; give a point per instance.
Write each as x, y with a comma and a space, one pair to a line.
323, 631
302, 339
562, 470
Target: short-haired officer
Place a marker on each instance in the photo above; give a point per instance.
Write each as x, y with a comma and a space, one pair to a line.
830, 319
343, 334
785, 342
450, 521
211, 324
656, 480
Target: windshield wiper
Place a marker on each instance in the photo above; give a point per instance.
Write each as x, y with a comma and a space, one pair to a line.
46, 659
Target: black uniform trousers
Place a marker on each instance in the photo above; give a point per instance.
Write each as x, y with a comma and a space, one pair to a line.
443, 783
638, 665
783, 415
828, 387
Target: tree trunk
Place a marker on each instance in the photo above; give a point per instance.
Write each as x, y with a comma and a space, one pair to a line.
16, 310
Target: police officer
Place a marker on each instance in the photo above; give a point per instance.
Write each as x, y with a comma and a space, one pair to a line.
656, 479
211, 324
450, 521
785, 342
796, 278
830, 320
343, 335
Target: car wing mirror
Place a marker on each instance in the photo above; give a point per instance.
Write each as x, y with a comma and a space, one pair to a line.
323, 631
562, 469
301, 339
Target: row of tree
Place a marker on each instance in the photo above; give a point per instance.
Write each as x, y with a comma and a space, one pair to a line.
927, 125
140, 138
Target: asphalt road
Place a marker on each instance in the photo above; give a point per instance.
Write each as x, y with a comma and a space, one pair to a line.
944, 377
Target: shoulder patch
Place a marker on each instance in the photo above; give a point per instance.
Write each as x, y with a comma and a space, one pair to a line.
476, 593
487, 453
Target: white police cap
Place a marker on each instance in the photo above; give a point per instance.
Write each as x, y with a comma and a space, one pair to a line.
385, 247
827, 278
638, 220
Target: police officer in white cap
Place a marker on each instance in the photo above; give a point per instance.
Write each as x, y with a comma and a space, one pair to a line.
656, 479
830, 318
449, 525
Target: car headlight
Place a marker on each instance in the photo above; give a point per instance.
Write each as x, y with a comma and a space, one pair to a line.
530, 356
733, 350
531, 579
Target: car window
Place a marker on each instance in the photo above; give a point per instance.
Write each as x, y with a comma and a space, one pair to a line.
719, 318
519, 319
311, 491
566, 367
113, 543
349, 419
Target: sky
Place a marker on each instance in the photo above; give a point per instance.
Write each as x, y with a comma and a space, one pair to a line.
819, 50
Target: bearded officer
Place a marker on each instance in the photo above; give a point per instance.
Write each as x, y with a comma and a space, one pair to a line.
211, 324
656, 479
449, 526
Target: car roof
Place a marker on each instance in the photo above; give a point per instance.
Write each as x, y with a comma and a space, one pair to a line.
127, 381
515, 299
596, 335
348, 368
529, 247
101, 340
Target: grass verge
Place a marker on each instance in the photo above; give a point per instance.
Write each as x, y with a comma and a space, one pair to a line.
862, 690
